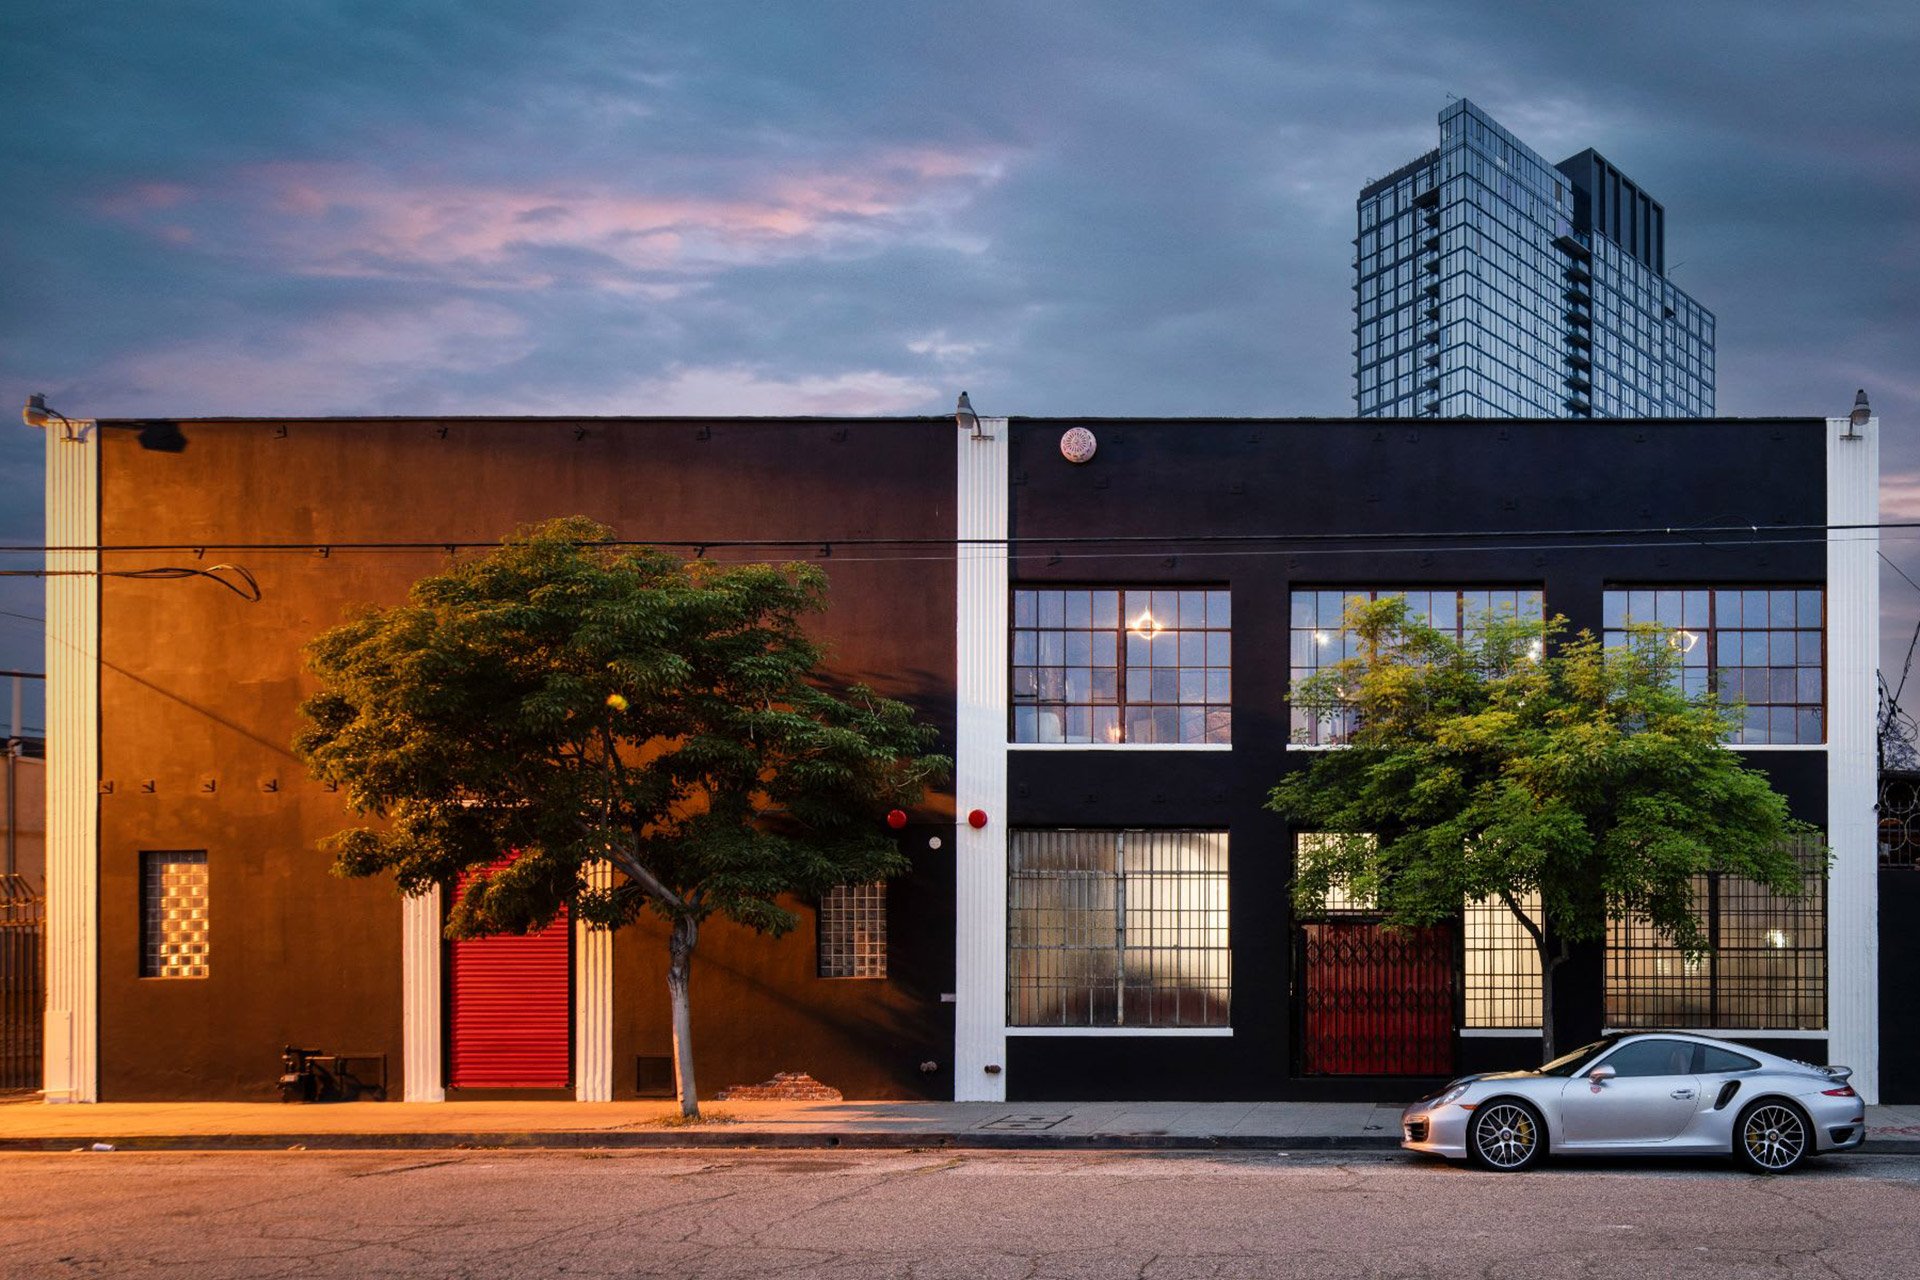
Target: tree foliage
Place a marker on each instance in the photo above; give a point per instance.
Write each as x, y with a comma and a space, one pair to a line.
1528, 762
574, 703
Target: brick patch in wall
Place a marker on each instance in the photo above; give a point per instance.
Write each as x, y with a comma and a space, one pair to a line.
786, 1086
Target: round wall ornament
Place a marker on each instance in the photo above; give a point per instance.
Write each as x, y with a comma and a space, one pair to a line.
1077, 445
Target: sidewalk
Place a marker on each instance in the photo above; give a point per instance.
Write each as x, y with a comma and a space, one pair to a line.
229, 1126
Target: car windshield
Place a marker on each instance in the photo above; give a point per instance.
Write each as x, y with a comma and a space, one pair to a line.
1570, 1064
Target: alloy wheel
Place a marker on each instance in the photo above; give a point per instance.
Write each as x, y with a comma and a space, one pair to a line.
1506, 1136
1774, 1137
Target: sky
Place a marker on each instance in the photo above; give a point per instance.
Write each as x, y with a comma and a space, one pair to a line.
1120, 208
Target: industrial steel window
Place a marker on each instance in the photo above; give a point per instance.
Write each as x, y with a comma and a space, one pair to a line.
1501, 966
853, 931
1118, 929
173, 915
1110, 665
1766, 968
1320, 639
1764, 648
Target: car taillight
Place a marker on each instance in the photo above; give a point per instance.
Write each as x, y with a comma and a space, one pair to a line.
1844, 1091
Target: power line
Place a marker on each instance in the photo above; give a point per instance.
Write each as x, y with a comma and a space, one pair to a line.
1745, 533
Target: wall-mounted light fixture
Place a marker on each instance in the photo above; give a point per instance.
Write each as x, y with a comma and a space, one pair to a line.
159, 435
1862, 411
967, 420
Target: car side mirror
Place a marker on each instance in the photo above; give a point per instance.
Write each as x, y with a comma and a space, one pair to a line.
1600, 1075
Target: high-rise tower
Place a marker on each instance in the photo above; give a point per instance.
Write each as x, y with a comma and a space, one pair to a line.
1490, 283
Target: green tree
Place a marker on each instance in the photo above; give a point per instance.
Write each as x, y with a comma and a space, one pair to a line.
577, 704
1525, 765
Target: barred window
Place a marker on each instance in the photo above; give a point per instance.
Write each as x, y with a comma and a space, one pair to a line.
1764, 648
1319, 638
173, 914
1766, 968
1342, 898
1118, 929
1110, 665
1501, 978
853, 931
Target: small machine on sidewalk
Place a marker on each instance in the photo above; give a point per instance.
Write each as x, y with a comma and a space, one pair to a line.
310, 1075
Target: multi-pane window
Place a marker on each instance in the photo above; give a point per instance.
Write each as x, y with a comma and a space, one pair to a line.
173, 915
1118, 929
853, 931
1501, 978
1319, 637
1764, 647
1766, 968
1111, 665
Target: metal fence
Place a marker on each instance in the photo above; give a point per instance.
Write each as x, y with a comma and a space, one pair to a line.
22, 982
1899, 819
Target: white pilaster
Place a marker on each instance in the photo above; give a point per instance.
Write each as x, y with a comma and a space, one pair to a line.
1853, 649
593, 1003
423, 1078
980, 767
71, 1070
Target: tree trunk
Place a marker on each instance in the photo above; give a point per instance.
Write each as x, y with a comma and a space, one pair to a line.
686, 931
1547, 965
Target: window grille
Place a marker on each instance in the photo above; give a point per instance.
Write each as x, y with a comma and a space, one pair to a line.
853, 931
1763, 648
1118, 929
1501, 965
1766, 967
1111, 665
173, 914
1899, 819
1342, 898
1319, 637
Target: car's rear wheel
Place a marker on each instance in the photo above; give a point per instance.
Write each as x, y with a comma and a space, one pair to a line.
1506, 1136
1772, 1137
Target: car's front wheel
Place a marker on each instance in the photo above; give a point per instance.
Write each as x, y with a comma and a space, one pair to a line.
1506, 1136
1772, 1137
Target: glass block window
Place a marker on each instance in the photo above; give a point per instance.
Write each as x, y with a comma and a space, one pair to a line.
1111, 665
1501, 966
1766, 968
1765, 648
853, 931
173, 915
1319, 638
1118, 929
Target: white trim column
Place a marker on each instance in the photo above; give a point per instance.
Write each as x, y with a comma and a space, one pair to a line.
980, 767
70, 1065
593, 1002
423, 1075
1853, 649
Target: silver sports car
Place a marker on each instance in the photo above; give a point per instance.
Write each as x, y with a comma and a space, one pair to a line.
1653, 1093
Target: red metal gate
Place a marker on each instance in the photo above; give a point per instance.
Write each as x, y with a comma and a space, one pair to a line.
511, 1010
1376, 1002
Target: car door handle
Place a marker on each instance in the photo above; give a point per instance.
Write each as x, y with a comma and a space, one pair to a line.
1683, 1093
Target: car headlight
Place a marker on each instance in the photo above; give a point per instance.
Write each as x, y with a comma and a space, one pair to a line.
1451, 1094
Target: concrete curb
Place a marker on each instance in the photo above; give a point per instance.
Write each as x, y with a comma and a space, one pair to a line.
681, 1139
668, 1140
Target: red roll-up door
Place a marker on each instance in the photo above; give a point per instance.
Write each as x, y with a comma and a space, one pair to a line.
1375, 1001
511, 1010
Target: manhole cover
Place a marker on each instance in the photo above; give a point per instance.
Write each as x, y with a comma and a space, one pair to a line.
1021, 1124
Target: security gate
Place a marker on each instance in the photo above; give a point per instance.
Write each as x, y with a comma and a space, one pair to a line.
23, 992
1374, 1001
511, 1010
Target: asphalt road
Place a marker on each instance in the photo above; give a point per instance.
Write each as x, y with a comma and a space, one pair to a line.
936, 1214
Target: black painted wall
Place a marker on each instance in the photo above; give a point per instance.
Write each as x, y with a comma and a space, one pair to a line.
1283, 488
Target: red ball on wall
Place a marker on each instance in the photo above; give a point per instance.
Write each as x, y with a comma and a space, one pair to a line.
977, 819
896, 818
